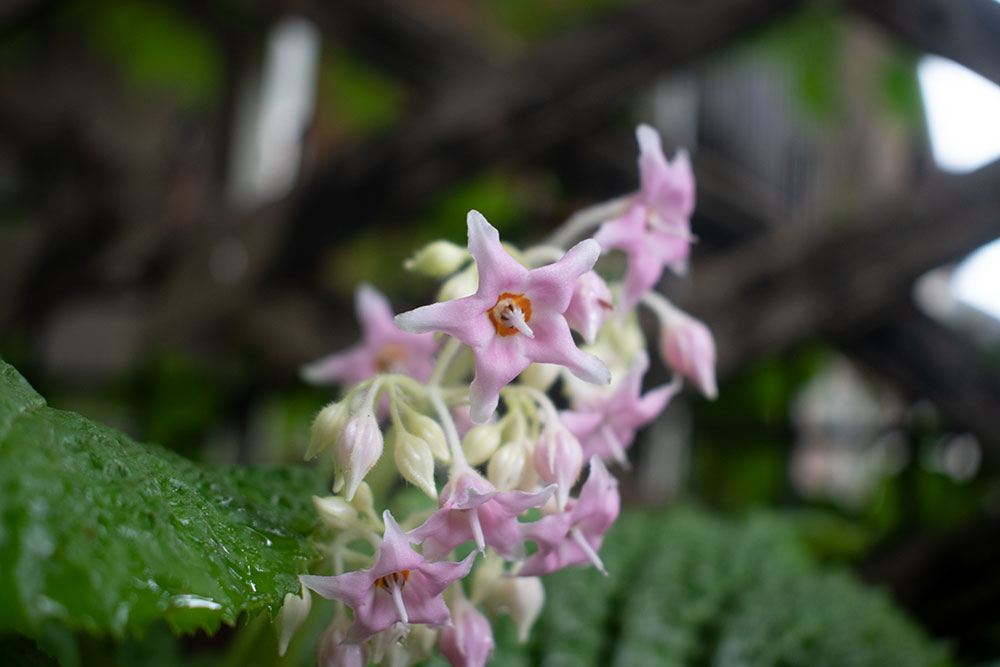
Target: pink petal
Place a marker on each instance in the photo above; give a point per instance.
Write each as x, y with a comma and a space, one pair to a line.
515, 503
653, 403
373, 311
581, 423
464, 319
497, 363
351, 588
438, 576
498, 271
553, 344
551, 287
624, 232
644, 271
395, 553
347, 367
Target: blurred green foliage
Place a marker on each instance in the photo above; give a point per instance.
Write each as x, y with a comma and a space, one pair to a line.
155, 45
105, 535
689, 588
355, 95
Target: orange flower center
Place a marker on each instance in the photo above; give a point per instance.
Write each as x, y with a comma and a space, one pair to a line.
398, 578
501, 313
390, 357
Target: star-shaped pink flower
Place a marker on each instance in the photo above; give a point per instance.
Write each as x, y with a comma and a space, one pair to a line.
401, 587
514, 318
606, 428
383, 348
655, 231
574, 537
472, 509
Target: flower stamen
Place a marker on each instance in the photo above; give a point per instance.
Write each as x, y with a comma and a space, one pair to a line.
511, 314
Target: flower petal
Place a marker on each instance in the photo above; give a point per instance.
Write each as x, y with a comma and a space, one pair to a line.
553, 344
464, 319
624, 232
497, 363
551, 287
498, 271
347, 367
373, 312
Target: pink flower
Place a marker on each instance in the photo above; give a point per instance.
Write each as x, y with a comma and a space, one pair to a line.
514, 318
590, 306
606, 428
384, 348
401, 587
574, 537
472, 509
655, 231
468, 642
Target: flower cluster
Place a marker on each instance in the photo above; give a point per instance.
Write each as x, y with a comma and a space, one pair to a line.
506, 318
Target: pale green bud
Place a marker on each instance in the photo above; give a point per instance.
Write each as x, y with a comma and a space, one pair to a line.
336, 512
326, 427
415, 462
430, 432
480, 443
522, 598
462, 284
437, 259
540, 376
292, 614
364, 502
507, 466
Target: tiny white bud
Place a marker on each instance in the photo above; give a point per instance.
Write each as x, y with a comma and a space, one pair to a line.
523, 598
294, 611
437, 259
506, 466
326, 427
430, 432
462, 284
558, 460
480, 443
415, 462
540, 376
364, 503
335, 512
358, 448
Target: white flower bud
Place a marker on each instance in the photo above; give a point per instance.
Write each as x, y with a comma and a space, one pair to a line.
335, 512
358, 448
558, 460
523, 599
430, 432
415, 462
364, 503
294, 611
540, 376
462, 284
506, 467
437, 259
480, 443
326, 428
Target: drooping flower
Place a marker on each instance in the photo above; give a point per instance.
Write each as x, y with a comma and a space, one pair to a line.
559, 459
688, 346
401, 587
655, 231
574, 537
514, 318
472, 509
331, 649
383, 347
468, 642
590, 306
607, 426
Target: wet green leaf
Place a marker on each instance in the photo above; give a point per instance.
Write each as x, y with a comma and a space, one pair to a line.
103, 534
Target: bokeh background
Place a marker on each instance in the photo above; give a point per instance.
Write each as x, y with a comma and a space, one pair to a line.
191, 190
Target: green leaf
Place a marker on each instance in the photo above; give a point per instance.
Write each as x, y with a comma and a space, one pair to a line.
103, 534
688, 588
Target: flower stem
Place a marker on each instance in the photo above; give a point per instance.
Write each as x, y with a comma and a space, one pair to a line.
586, 219
444, 361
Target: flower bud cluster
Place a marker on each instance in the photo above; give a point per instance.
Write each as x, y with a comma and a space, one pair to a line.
491, 453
